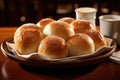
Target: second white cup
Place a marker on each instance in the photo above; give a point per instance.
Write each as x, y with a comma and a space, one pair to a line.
110, 26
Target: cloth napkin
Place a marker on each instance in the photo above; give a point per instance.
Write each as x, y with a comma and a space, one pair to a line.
116, 57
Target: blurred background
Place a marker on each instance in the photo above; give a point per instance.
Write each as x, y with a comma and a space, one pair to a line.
17, 12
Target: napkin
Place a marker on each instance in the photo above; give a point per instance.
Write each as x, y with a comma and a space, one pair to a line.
116, 57
36, 57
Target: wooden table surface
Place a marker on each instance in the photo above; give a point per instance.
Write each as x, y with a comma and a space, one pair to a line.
12, 70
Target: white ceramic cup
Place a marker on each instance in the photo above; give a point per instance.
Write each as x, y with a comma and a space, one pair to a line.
110, 26
86, 13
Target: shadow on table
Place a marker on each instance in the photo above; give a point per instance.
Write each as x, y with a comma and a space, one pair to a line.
11, 71
61, 71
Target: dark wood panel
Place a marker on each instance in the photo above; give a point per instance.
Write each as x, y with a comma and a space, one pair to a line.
17, 12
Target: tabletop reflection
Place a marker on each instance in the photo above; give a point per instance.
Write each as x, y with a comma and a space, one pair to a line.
12, 71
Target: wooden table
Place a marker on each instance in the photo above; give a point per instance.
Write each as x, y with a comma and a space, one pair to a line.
11, 70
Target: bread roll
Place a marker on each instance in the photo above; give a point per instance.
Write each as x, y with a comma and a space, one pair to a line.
53, 47
80, 26
80, 44
27, 38
43, 22
59, 28
67, 19
97, 37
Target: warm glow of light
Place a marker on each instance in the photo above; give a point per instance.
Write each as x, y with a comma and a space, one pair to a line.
105, 10
22, 18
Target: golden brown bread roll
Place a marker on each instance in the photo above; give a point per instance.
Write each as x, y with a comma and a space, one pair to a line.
97, 37
59, 28
53, 47
43, 22
80, 26
67, 19
27, 38
80, 44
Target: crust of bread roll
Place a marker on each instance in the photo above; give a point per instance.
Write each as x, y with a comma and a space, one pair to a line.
67, 19
53, 47
80, 44
59, 28
43, 22
80, 26
97, 37
27, 38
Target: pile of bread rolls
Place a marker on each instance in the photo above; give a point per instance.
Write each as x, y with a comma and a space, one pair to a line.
57, 39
